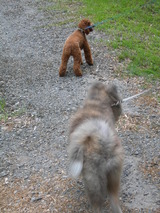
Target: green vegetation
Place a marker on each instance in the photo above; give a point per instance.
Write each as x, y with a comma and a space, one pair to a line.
132, 27
4, 114
66, 9
134, 30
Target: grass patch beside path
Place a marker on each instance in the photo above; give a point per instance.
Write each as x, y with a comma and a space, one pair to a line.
134, 31
4, 114
60, 12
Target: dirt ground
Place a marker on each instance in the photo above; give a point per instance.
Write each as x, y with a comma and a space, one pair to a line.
33, 141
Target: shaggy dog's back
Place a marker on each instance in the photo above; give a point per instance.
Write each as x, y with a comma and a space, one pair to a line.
95, 150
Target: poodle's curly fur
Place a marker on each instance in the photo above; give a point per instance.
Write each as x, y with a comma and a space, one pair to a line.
73, 46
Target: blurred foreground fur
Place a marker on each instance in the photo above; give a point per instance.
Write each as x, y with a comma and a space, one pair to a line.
95, 150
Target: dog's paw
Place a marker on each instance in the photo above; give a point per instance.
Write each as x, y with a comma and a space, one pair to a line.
78, 73
90, 63
61, 74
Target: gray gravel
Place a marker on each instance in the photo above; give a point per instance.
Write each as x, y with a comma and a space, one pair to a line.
33, 144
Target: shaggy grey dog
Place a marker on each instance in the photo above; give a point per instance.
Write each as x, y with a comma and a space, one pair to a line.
95, 150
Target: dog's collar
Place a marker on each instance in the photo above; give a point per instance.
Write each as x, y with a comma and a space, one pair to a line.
117, 103
80, 29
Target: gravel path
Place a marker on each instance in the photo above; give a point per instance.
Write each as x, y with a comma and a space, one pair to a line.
33, 165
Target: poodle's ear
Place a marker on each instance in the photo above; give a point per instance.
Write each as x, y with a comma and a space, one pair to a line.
82, 24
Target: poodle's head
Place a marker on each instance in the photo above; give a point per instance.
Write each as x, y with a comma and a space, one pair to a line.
85, 23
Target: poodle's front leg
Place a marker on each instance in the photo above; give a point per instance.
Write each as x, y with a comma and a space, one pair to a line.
87, 53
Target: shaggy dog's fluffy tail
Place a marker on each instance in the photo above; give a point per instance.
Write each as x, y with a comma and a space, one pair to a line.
91, 141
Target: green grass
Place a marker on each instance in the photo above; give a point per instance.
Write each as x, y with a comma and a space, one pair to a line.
4, 114
134, 31
65, 9
132, 27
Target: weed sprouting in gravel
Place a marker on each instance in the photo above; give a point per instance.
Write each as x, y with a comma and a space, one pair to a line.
3, 113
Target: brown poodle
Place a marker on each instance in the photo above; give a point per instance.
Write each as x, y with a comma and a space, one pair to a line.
73, 46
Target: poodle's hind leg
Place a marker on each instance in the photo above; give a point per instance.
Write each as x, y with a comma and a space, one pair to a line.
63, 67
87, 53
77, 61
